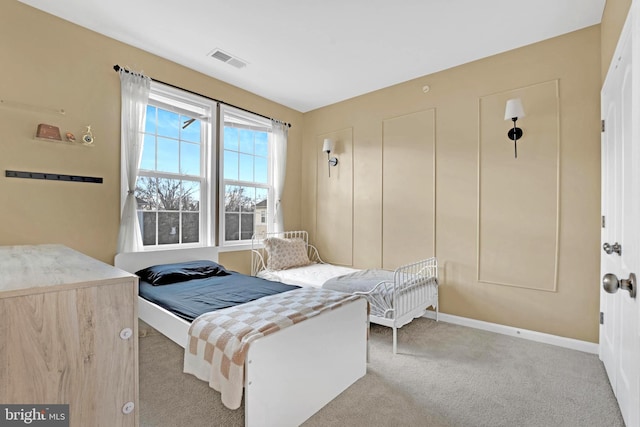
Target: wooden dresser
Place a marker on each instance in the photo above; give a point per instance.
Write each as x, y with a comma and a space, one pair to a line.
68, 334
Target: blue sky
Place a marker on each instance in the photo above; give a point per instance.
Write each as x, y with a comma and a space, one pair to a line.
178, 150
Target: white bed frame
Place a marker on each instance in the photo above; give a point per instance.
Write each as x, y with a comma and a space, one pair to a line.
290, 374
414, 287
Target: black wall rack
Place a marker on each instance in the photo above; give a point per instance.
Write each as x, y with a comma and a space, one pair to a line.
53, 177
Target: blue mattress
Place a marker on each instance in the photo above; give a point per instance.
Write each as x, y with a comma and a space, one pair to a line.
192, 298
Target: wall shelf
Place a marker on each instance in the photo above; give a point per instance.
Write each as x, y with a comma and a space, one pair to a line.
62, 142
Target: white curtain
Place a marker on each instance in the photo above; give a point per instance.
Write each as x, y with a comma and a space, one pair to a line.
279, 133
135, 96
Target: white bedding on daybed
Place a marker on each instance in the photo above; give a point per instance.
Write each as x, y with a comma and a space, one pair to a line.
312, 275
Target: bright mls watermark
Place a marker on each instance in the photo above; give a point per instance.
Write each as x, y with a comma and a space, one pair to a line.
34, 415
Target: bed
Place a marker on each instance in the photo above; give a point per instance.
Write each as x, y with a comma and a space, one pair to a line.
288, 375
395, 297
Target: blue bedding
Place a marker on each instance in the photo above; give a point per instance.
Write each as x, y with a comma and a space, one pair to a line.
191, 298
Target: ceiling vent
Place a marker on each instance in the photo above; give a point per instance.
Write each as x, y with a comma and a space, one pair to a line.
229, 59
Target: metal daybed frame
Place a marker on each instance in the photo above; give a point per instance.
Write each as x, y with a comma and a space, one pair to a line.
395, 303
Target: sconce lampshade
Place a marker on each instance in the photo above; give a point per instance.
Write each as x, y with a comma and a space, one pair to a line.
513, 109
327, 145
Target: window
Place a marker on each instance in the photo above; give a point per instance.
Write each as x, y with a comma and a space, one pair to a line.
246, 187
173, 187
198, 187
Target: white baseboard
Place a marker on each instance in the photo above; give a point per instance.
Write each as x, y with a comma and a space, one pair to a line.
585, 346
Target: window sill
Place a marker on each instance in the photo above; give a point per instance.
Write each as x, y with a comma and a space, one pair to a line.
236, 248
228, 248
172, 247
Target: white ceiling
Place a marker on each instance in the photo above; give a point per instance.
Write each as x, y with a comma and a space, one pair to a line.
307, 54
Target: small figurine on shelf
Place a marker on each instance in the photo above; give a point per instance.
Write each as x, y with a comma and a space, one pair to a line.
87, 137
70, 137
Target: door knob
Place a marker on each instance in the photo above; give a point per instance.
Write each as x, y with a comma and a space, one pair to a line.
609, 249
610, 284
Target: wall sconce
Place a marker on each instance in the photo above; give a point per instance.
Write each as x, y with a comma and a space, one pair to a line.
327, 147
513, 111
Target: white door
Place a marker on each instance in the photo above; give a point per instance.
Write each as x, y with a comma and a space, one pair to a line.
620, 331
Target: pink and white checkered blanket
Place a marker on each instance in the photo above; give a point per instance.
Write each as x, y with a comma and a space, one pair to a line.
219, 340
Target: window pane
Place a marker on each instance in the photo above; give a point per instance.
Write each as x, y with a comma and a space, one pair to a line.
248, 202
168, 152
168, 124
150, 120
261, 196
147, 193
192, 130
246, 141
190, 227
233, 196
190, 196
230, 165
148, 227
246, 227
168, 227
262, 144
261, 172
169, 194
261, 212
190, 159
230, 138
231, 226
246, 167
148, 161
249, 206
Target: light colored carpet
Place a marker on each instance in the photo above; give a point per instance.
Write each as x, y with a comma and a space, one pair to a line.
444, 375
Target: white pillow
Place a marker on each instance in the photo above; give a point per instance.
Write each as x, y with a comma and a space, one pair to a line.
285, 253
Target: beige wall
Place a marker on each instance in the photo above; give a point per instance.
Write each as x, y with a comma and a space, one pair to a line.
557, 239
48, 62
613, 17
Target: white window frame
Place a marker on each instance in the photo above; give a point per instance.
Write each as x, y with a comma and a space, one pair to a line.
183, 102
246, 120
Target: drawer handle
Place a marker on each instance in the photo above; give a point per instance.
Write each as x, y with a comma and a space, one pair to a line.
128, 408
126, 333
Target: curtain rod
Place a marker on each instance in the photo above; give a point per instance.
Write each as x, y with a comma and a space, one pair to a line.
118, 68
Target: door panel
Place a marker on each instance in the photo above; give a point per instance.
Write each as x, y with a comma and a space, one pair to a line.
628, 237
619, 336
